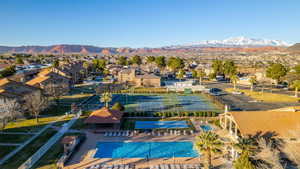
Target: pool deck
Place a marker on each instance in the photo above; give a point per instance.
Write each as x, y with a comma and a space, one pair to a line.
83, 158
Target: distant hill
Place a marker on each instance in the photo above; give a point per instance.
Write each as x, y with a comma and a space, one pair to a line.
294, 48
238, 44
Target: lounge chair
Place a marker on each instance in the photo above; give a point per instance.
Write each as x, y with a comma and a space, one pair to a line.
167, 166
177, 166
185, 166
131, 134
126, 166
110, 167
123, 133
119, 133
197, 166
172, 166
116, 166
106, 133
162, 166
127, 133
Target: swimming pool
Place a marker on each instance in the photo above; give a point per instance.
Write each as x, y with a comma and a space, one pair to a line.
160, 124
206, 127
145, 150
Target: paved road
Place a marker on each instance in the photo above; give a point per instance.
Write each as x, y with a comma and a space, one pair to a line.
243, 102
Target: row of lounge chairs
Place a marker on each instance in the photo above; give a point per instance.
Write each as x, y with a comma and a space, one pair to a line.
176, 166
171, 132
126, 133
120, 166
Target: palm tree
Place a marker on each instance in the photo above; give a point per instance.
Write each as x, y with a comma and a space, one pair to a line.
180, 74
252, 81
200, 74
86, 66
106, 98
208, 143
234, 78
296, 85
247, 148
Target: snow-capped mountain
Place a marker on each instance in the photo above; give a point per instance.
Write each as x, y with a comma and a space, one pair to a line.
239, 41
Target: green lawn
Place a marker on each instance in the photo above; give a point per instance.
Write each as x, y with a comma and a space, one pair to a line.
48, 161
14, 138
30, 149
4, 150
30, 125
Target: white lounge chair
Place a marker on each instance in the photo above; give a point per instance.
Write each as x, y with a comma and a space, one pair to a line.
197, 166
106, 133
162, 166
127, 133
167, 166
177, 166
172, 166
126, 166
114, 133
185, 166
119, 133
116, 166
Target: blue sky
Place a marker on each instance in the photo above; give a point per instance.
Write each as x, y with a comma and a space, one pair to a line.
140, 23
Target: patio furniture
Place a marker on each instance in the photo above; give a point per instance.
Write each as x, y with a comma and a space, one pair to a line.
167, 166
177, 166
105, 134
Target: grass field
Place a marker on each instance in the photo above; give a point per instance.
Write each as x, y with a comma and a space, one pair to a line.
49, 160
266, 97
14, 138
4, 150
30, 125
30, 149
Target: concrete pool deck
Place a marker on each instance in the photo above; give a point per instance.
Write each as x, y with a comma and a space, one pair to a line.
83, 158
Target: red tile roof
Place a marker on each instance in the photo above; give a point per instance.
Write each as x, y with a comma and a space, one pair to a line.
104, 116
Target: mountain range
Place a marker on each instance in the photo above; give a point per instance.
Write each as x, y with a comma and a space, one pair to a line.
231, 44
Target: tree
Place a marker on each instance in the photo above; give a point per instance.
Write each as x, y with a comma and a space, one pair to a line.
194, 74
150, 59
118, 106
106, 98
246, 146
296, 86
234, 79
200, 75
208, 143
8, 71
180, 74
297, 69
160, 62
229, 68
19, 60
55, 90
252, 82
175, 63
10, 109
86, 66
35, 103
55, 63
136, 60
99, 64
217, 66
122, 60
276, 71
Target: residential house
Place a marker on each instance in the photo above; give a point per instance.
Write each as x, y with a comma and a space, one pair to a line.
146, 80
10, 89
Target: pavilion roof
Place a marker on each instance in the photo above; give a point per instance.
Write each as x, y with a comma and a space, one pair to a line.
104, 116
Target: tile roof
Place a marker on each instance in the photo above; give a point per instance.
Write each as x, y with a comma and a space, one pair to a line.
103, 116
37, 80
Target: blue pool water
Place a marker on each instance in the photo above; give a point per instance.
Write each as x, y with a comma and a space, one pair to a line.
206, 128
160, 124
145, 150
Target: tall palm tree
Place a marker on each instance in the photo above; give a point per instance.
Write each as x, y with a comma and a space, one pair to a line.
208, 143
106, 98
247, 148
234, 78
252, 81
200, 74
296, 86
